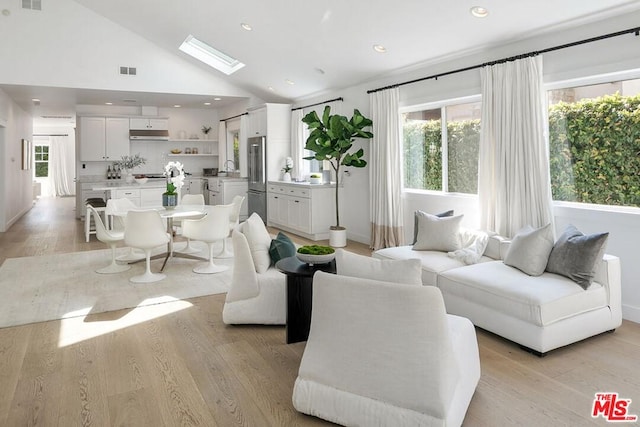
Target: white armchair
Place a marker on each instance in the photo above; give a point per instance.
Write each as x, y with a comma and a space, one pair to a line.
253, 298
385, 354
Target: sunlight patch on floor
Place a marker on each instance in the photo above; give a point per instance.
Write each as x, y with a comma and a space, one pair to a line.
80, 327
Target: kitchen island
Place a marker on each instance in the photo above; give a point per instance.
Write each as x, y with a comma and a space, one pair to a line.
144, 195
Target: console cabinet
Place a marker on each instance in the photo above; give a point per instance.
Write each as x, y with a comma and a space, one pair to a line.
306, 210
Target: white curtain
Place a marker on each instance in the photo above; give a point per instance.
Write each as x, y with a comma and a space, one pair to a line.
299, 134
513, 178
385, 172
61, 166
222, 145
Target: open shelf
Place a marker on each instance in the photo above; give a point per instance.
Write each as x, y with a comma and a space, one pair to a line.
191, 155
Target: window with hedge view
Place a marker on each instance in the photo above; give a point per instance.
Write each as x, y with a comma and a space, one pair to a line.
441, 148
41, 160
594, 142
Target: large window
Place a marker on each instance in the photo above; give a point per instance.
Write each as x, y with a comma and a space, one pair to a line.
594, 142
41, 160
441, 148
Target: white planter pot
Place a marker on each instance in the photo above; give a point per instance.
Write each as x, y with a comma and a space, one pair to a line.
338, 238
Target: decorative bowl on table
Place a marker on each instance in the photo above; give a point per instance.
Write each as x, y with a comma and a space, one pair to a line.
316, 254
141, 179
176, 151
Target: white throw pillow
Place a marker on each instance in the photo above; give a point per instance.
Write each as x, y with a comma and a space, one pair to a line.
259, 242
438, 234
405, 271
529, 250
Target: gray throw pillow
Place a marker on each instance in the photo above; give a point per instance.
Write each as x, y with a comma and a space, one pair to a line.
416, 217
576, 256
529, 250
438, 234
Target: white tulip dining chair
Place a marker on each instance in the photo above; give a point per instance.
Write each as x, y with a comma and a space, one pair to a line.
190, 199
214, 227
234, 220
115, 210
145, 230
109, 237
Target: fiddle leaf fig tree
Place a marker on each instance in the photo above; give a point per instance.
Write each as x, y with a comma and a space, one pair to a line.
331, 139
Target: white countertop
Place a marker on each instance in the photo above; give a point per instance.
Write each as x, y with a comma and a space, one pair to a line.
121, 185
306, 184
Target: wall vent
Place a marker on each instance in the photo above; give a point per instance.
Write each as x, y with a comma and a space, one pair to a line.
57, 117
132, 71
32, 4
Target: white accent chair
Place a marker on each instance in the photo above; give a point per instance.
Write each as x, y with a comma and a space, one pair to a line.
211, 229
111, 238
189, 199
145, 230
116, 223
386, 354
234, 220
253, 298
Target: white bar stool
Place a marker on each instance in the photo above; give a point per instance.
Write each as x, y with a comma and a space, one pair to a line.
100, 207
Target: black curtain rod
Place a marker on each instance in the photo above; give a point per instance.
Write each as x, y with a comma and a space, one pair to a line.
50, 134
317, 103
234, 117
635, 31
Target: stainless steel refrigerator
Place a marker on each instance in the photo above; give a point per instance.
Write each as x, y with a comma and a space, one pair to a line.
257, 194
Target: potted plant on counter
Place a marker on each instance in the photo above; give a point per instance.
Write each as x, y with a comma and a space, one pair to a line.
331, 139
128, 163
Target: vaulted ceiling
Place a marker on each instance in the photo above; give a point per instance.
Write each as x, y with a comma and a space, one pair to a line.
297, 49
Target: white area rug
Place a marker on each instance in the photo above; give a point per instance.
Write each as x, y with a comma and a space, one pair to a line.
60, 286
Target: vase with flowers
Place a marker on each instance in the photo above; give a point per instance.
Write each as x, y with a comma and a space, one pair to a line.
288, 165
128, 163
174, 172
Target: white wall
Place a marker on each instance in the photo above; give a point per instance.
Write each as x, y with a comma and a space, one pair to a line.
600, 57
81, 49
16, 188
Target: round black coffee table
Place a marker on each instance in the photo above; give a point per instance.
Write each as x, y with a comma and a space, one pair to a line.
299, 294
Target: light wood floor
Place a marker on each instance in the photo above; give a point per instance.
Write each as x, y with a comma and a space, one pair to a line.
187, 368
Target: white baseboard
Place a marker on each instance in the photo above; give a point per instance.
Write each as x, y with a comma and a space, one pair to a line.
631, 313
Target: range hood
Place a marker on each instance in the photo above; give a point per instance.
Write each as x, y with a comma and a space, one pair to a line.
149, 135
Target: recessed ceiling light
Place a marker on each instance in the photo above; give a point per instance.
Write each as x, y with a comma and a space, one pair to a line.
217, 99
207, 103
177, 106
108, 103
379, 48
246, 26
290, 82
271, 88
479, 11
210, 56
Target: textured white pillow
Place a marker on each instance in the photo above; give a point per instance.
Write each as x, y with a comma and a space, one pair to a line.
529, 250
473, 243
259, 242
438, 234
405, 271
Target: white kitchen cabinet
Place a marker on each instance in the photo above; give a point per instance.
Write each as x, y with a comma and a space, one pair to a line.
128, 193
222, 191
257, 122
151, 197
145, 123
103, 138
306, 210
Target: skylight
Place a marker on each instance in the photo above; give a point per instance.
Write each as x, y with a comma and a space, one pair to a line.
210, 56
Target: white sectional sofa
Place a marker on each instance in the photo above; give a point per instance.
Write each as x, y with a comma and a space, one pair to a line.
540, 313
